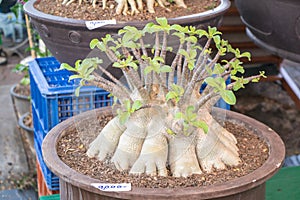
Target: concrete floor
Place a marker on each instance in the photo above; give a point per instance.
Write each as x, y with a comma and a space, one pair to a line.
13, 158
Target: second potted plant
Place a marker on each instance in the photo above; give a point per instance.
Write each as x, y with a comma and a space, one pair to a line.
68, 38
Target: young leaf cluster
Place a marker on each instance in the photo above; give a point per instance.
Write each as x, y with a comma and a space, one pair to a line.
152, 77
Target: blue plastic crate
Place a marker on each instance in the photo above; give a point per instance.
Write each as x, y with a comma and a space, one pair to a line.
53, 97
51, 180
39, 134
53, 100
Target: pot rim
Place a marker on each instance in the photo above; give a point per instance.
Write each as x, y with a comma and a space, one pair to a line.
273, 49
32, 12
251, 180
19, 96
21, 122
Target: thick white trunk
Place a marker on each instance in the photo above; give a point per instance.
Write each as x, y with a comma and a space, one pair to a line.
217, 148
107, 140
141, 146
154, 153
131, 141
182, 156
153, 157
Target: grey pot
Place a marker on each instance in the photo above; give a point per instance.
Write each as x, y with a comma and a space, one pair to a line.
68, 39
273, 25
21, 103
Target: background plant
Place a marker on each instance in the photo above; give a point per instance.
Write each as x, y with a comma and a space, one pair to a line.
162, 118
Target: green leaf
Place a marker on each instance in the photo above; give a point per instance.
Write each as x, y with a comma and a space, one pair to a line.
123, 117
77, 90
191, 39
94, 43
247, 55
179, 115
178, 89
262, 74
201, 124
193, 53
158, 59
170, 132
238, 85
212, 31
89, 71
25, 81
136, 105
133, 65
130, 44
183, 52
117, 65
202, 33
217, 39
165, 68
191, 116
127, 105
228, 96
178, 28
191, 65
148, 69
162, 21
218, 69
213, 82
67, 67
170, 95
175, 93
77, 64
75, 77
255, 80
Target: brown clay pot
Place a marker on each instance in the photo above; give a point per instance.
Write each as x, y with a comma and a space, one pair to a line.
68, 39
74, 185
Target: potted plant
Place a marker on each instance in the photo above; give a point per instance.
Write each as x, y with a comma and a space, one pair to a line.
20, 96
20, 93
163, 127
273, 25
68, 37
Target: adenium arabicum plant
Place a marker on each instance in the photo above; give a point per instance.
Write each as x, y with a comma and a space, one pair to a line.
162, 120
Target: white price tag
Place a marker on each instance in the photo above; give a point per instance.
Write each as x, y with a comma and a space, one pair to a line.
113, 187
98, 23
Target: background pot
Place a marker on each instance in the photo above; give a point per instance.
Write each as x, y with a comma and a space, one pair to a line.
21, 103
68, 39
27, 134
273, 25
77, 186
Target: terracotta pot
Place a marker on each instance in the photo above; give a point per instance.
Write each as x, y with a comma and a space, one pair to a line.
273, 25
68, 39
74, 185
21, 103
